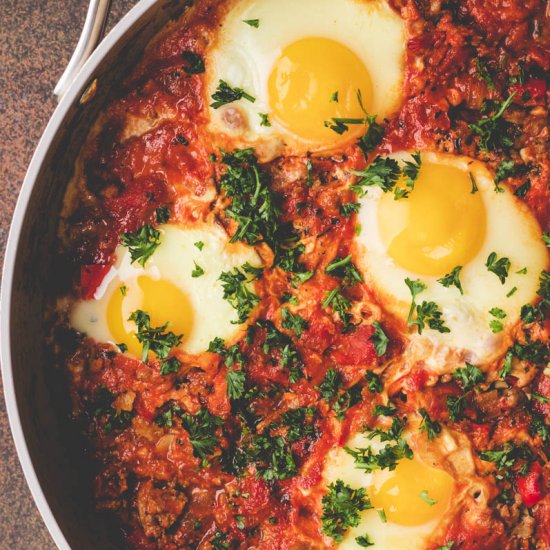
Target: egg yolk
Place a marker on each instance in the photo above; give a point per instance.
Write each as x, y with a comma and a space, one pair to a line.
439, 226
413, 493
314, 80
163, 301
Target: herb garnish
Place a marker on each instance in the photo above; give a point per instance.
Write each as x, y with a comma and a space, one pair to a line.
142, 243
431, 427
341, 508
252, 22
195, 64
157, 339
498, 266
226, 94
452, 279
236, 291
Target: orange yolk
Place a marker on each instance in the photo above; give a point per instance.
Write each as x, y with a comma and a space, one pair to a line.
440, 225
303, 82
164, 302
398, 492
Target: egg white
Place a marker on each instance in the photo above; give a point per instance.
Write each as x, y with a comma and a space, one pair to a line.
173, 261
385, 535
244, 57
512, 231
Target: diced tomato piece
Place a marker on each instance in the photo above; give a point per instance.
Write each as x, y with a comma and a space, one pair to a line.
530, 485
535, 87
90, 279
355, 348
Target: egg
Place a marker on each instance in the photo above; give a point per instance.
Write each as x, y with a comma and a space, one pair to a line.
167, 290
443, 224
413, 497
302, 64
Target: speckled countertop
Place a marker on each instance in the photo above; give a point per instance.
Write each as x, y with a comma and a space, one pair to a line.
36, 40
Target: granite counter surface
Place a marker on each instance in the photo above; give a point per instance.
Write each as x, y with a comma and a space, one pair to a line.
37, 38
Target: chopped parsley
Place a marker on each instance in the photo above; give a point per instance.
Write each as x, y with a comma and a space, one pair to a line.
334, 97
364, 541
202, 429
411, 171
469, 376
379, 339
345, 268
194, 63
496, 324
198, 271
498, 266
236, 291
103, 406
452, 279
474, 184
506, 169
226, 94
142, 243
264, 120
252, 22
426, 498
384, 410
455, 406
348, 209
427, 313
199, 245
372, 138
170, 366
494, 132
341, 509
483, 72
157, 339
162, 214
508, 456
293, 322
374, 383
235, 383
381, 172
253, 205
331, 389
448, 546
431, 427
339, 304
386, 458
523, 189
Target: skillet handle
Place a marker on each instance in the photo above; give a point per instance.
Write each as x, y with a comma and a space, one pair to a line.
92, 32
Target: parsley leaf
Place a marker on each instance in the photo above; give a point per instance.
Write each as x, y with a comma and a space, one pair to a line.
386, 458
364, 541
431, 427
348, 209
379, 339
469, 376
498, 266
237, 292
162, 214
153, 339
341, 509
506, 169
494, 132
199, 245
429, 313
142, 243
411, 171
195, 64
373, 382
198, 271
340, 304
452, 278
235, 383
381, 172
252, 22
344, 267
170, 366
373, 136
496, 324
253, 206
474, 184
264, 120
507, 457
426, 498
202, 432
455, 406
416, 287
293, 322
226, 94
